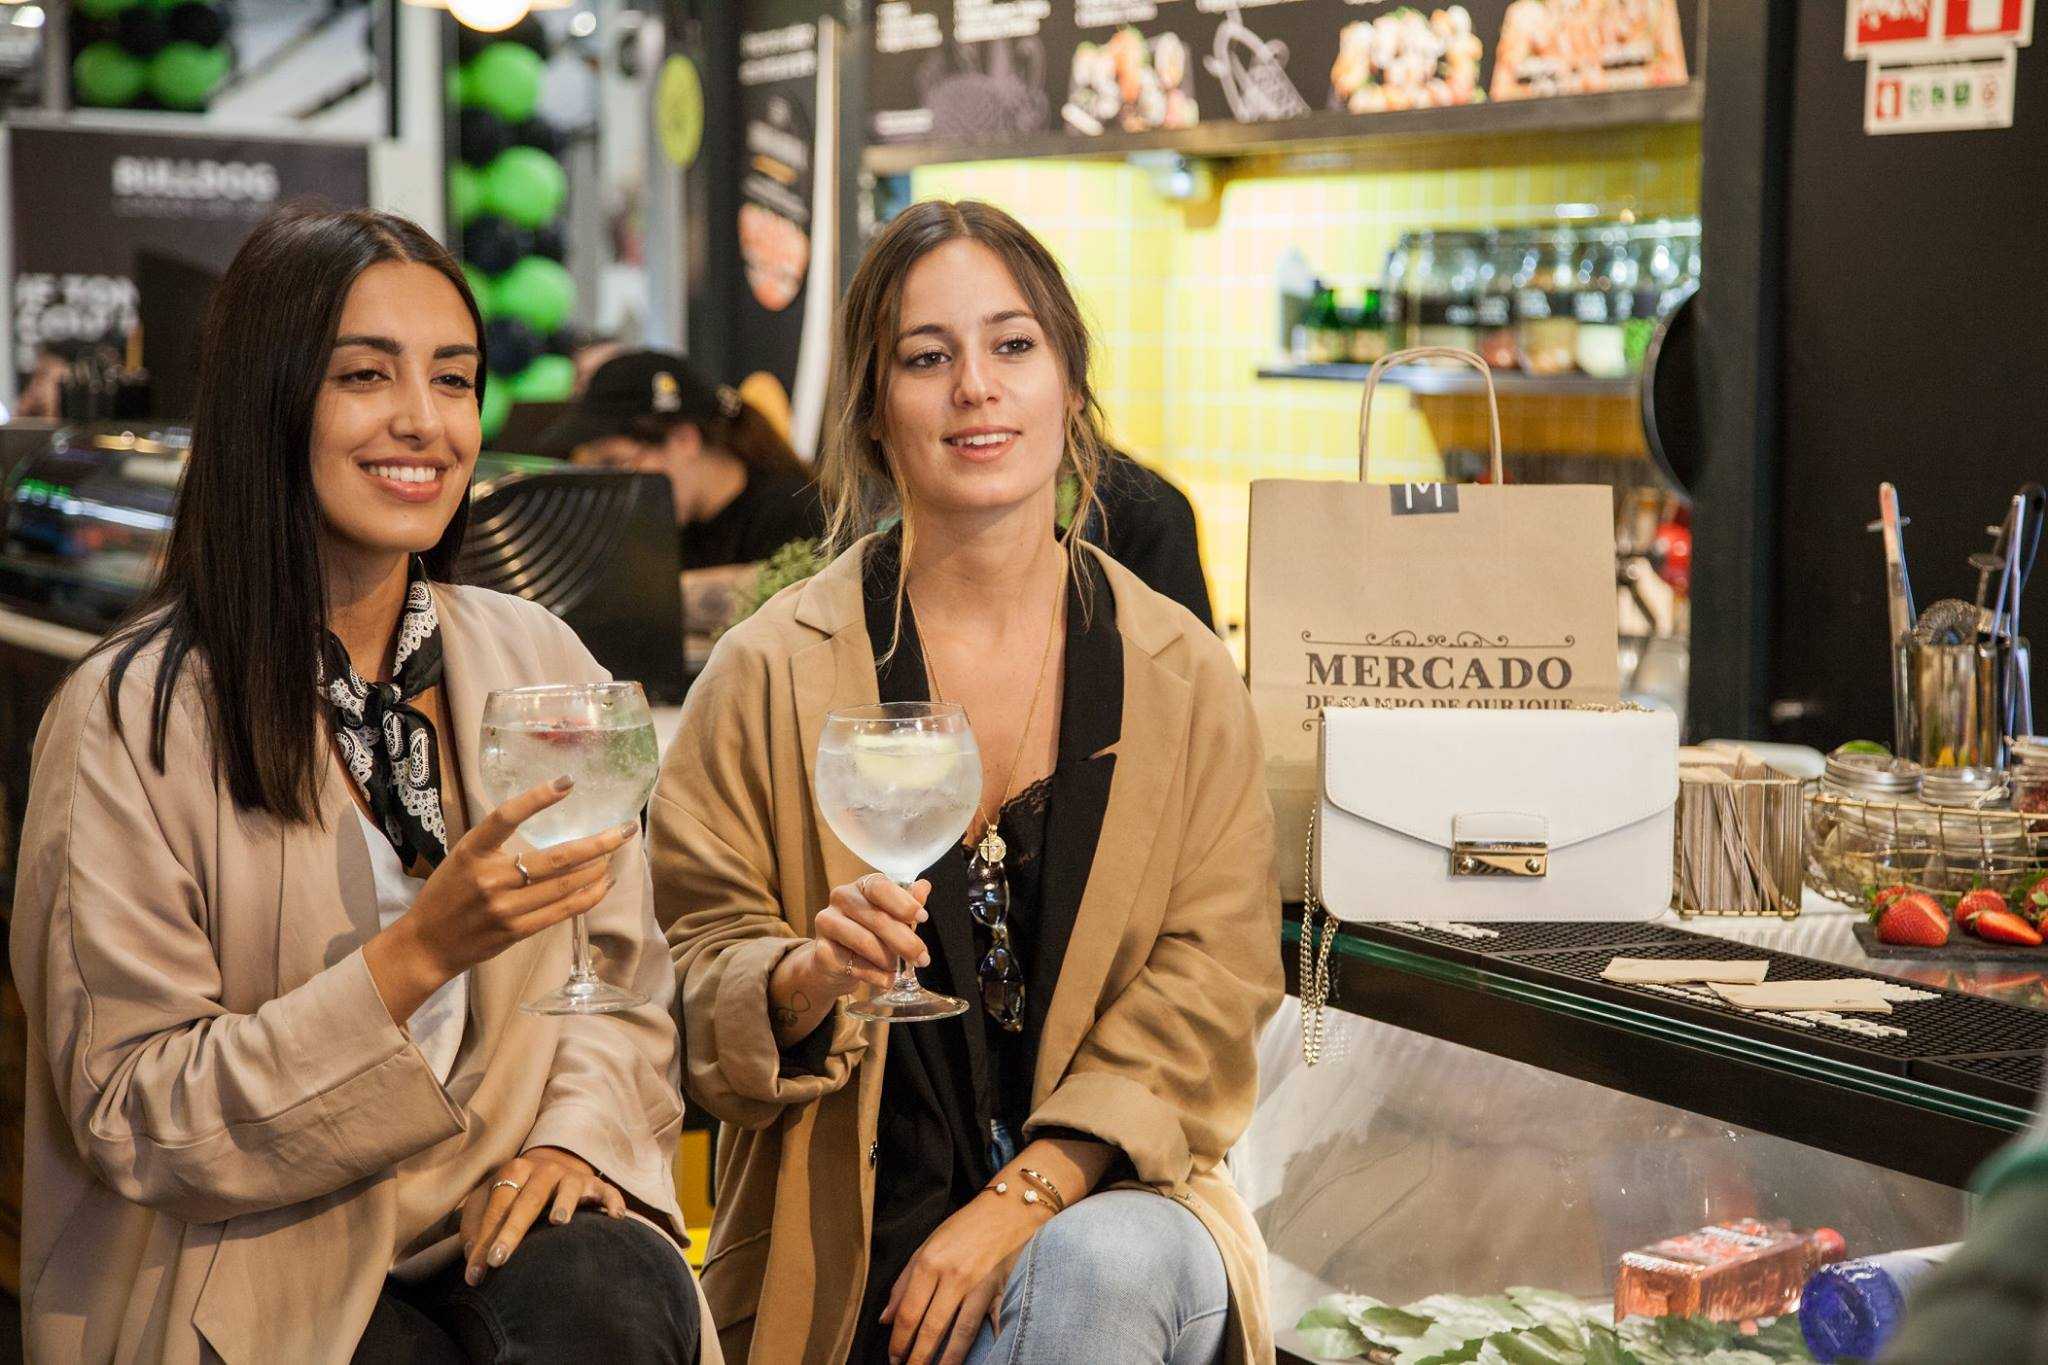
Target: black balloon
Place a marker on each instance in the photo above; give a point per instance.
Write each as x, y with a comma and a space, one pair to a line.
143, 31
494, 246
483, 135
196, 23
511, 344
549, 242
564, 342
469, 42
540, 133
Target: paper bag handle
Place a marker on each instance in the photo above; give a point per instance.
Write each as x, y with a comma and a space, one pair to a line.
1414, 353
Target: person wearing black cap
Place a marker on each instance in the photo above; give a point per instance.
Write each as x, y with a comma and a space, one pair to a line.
741, 493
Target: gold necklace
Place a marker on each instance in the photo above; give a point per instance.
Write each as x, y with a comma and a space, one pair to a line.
990, 848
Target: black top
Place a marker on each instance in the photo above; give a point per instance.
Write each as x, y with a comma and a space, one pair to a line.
1151, 532
771, 511
944, 1082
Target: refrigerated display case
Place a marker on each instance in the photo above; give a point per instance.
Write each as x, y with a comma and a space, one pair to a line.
1488, 1115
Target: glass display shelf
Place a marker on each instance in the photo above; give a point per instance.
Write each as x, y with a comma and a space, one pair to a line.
1457, 380
1488, 1114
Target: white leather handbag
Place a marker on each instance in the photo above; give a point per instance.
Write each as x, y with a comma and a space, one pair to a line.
1496, 815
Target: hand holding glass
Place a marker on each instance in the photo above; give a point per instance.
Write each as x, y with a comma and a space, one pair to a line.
898, 784
601, 735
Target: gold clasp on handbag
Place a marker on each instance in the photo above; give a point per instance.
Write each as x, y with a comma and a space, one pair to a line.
1491, 858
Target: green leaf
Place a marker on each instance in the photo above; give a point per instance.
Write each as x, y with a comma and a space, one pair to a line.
1603, 1347
1535, 1347
1440, 1345
1781, 1340
1726, 1357
1473, 1316
1387, 1326
1327, 1330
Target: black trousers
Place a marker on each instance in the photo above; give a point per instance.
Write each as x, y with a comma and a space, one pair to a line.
593, 1288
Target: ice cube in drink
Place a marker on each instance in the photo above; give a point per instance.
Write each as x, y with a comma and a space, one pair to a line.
613, 769
899, 798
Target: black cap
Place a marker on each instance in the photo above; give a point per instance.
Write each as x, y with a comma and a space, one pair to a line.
631, 388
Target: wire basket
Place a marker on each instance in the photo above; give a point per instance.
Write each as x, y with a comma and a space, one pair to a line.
1739, 847
1856, 846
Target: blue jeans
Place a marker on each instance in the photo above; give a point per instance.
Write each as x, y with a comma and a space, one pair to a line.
593, 1288
1124, 1275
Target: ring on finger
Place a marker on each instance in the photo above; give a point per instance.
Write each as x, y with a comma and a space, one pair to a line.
512, 1185
862, 884
525, 877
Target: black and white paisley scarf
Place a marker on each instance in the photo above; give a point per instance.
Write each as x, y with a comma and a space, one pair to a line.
389, 746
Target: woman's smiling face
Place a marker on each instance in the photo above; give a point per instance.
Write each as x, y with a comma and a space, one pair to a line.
396, 428
974, 417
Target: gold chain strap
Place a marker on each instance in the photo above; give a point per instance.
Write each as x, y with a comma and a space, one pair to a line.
1315, 962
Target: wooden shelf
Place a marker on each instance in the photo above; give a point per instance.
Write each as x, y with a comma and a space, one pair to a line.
1456, 379
1564, 113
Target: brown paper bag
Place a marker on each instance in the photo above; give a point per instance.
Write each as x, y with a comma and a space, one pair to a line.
1422, 595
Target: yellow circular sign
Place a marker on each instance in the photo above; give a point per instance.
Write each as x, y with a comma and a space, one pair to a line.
679, 110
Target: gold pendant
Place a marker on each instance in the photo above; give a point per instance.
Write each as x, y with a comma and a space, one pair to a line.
991, 849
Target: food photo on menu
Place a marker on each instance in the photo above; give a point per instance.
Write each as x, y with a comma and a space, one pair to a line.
1130, 83
1407, 59
1583, 47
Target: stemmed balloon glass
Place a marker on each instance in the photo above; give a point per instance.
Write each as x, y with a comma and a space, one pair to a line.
602, 736
898, 783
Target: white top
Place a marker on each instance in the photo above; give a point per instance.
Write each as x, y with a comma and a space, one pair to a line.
436, 1026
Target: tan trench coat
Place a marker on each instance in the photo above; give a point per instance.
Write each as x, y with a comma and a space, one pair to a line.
229, 1141
1172, 966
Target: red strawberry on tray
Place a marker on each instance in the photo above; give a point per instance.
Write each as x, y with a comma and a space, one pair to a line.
1881, 901
1984, 913
1913, 920
2033, 902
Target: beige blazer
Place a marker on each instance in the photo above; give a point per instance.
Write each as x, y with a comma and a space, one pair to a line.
229, 1141
1172, 965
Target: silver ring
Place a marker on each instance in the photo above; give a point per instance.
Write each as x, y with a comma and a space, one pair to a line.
513, 1185
862, 884
526, 879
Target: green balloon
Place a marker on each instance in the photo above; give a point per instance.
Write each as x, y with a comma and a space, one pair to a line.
105, 75
505, 79
103, 9
526, 185
486, 293
465, 192
183, 75
550, 379
497, 402
537, 291
456, 84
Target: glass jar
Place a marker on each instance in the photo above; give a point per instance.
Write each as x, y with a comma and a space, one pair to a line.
1601, 305
1502, 257
1449, 313
1546, 330
2029, 773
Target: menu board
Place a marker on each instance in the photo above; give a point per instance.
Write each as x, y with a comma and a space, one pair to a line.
989, 70
778, 106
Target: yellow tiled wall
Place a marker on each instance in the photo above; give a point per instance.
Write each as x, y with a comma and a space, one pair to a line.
1183, 302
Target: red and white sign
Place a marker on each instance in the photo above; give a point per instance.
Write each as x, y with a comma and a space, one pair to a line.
1961, 94
1926, 27
1889, 25
2009, 21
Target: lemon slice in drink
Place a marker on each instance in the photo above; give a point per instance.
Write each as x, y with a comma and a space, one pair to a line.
904, 761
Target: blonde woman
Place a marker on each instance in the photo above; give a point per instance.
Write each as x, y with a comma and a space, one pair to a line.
1041, 1179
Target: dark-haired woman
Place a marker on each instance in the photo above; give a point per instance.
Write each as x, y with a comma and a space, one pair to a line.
741, 493
1040, 1181
272, 941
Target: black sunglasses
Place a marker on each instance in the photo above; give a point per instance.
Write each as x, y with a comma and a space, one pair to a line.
1002, 979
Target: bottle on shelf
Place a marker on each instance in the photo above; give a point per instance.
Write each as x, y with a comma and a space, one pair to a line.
1850, 1309
1450, 313
1394, 306
1325, 327
1366, 336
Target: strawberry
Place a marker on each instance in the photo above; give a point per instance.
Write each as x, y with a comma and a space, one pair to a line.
1978, 902
1914, 921
2033, 902
1881, 901
2003, 926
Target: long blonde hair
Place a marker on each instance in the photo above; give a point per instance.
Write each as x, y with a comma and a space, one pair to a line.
861, 486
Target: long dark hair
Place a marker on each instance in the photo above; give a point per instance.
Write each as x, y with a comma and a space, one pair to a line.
242, 586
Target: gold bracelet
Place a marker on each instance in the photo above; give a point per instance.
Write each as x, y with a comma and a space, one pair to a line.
1045, 1193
